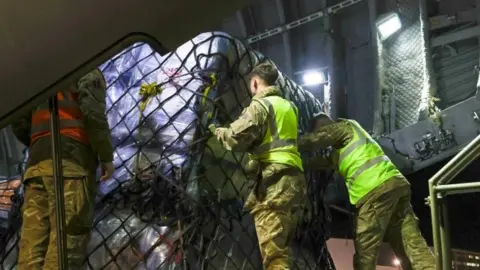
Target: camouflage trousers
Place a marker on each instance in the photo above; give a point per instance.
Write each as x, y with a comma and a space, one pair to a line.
276, 218
390, 217
38, 247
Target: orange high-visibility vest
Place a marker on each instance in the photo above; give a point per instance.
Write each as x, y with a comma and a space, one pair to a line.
70, 119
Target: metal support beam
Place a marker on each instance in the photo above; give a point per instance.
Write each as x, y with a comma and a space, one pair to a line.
286, 39
442, 21
334, 51
328, 52
58, 180
393, 112
432, 81
378, 126
310, 18
456, 36
477, 18
241, 23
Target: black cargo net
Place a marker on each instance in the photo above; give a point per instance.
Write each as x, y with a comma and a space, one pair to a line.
176, 198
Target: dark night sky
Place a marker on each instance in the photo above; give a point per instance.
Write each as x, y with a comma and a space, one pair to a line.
464, 209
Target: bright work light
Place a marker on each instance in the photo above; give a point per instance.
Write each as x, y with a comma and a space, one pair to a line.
313, 78
388, 25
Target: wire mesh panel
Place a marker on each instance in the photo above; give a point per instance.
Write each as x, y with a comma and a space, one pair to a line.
403, 69
176, 198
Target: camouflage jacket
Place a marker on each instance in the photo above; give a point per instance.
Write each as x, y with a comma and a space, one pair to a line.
338, 135
91, 97
248, 131
244, 135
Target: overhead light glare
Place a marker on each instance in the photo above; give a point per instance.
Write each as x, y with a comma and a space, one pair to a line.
313, 78
396, 262
388, 25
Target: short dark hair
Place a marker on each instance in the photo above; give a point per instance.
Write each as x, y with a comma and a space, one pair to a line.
267, 72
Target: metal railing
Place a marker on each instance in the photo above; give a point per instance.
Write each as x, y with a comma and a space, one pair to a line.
439, 189
59, 191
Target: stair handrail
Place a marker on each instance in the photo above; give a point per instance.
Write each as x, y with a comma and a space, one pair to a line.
437, 203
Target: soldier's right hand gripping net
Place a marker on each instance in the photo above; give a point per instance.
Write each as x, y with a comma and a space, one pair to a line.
175, 201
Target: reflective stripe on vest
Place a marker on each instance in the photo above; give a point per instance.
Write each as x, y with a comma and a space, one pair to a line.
70, 119
272, 123
363, 164
362, 140
277, 147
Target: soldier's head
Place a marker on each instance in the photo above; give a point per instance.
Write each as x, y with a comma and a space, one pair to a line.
321, 119
262, 76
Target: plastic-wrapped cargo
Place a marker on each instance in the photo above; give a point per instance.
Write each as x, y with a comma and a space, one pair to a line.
175, 201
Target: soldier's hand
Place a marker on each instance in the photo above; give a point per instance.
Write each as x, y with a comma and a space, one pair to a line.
107, 170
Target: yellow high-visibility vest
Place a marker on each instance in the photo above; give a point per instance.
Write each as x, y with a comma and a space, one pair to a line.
363, 164
280, 142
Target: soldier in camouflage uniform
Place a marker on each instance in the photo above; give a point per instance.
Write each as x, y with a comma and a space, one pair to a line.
380, 193
267, 130
85, 141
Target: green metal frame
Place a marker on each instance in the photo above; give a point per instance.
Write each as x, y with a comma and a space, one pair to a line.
439, 189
